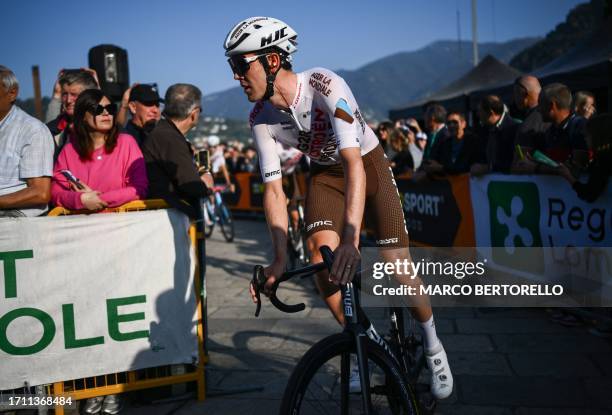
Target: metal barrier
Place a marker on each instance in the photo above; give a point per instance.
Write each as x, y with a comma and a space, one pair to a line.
144, 378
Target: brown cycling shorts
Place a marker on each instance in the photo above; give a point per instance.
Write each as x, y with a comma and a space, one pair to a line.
383, 209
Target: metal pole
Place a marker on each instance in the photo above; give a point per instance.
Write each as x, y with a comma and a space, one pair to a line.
474, 33
37, 96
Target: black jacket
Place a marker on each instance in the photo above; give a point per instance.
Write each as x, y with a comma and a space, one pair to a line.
469, 153
140, 134
173, 175
498, 145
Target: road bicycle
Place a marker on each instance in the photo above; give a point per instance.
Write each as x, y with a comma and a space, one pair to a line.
216, 211
391, 378
297, 251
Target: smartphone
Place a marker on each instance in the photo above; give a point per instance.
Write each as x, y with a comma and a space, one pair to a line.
203, 160
72, 179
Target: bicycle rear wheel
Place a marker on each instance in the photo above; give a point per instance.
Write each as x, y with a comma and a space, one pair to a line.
226, 222
316, 387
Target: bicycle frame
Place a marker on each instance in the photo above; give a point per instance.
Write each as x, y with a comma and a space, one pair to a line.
356, 323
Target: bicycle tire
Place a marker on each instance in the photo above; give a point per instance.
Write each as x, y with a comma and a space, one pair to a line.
226, 222
398, 393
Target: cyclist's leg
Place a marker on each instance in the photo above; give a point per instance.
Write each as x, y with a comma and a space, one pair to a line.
383, 200
323, 221
387, 215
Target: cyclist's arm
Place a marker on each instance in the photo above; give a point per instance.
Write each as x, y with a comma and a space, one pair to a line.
274, 200
226, 176
275, 208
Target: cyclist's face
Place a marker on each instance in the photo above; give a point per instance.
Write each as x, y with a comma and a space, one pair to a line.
253, 82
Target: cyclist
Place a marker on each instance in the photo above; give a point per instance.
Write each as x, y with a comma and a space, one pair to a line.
315, 112
218, 166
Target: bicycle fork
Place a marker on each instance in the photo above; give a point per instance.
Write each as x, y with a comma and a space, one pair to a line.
351, 305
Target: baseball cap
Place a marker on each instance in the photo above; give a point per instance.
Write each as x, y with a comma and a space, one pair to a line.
145, 93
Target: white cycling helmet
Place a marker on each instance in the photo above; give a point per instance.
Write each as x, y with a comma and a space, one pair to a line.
257, 33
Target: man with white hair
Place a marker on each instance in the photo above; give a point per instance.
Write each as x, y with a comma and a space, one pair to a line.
171, 169
26, 155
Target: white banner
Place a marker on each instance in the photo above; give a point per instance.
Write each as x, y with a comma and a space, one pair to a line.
538, 211
88, 295
521, 213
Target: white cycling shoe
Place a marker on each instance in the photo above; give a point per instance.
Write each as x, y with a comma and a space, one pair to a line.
441, 376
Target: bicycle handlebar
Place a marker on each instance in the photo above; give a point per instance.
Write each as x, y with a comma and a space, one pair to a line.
259, 280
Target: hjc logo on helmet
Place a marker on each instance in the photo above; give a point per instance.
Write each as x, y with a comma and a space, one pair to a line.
279, 34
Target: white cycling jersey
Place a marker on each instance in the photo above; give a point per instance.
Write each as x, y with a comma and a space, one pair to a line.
323, 119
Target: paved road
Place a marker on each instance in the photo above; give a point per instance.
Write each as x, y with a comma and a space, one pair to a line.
511, 361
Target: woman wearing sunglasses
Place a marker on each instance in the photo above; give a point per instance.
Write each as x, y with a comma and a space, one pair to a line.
100, 167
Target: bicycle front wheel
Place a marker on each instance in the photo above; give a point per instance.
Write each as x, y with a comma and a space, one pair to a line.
318, 385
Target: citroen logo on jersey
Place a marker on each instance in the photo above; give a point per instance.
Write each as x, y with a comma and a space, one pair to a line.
266, 40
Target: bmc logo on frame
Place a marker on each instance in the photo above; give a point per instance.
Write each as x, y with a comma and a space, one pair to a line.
514, 209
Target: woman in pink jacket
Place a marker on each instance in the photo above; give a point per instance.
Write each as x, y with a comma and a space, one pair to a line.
108, 166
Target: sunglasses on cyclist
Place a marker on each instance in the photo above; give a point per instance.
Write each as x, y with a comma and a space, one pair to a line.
240, 65
111, 109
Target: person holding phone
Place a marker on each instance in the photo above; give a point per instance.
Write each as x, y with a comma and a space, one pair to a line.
108, 165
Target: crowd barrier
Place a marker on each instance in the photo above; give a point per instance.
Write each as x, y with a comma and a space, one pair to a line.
462, 211
142, 378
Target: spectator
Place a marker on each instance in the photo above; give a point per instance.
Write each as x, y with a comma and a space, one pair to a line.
26, 155
55, 104
530, 133
497, 134
382, 132
402, 161
248, 162
435, 117
71, 84
584, 104
173, 174
218, 167
143, 104
461, 150
420, 137
599, 131
232, 155
109, 165
565, 139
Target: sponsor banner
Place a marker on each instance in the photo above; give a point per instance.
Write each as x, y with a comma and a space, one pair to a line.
438, 212
88, 295
516, 212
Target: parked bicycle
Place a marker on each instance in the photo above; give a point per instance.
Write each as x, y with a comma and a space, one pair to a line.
216, 211
389, 366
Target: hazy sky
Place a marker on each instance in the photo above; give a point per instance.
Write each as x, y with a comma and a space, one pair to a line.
181, 40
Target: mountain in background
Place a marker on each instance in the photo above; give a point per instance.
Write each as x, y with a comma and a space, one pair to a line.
581, 22
392, 81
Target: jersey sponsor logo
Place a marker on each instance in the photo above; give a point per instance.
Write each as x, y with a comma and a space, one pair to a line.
254, 112
319, 223
322, 147
272, 173
273, 37
320, 83
343, 111
387, 241
359, 118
